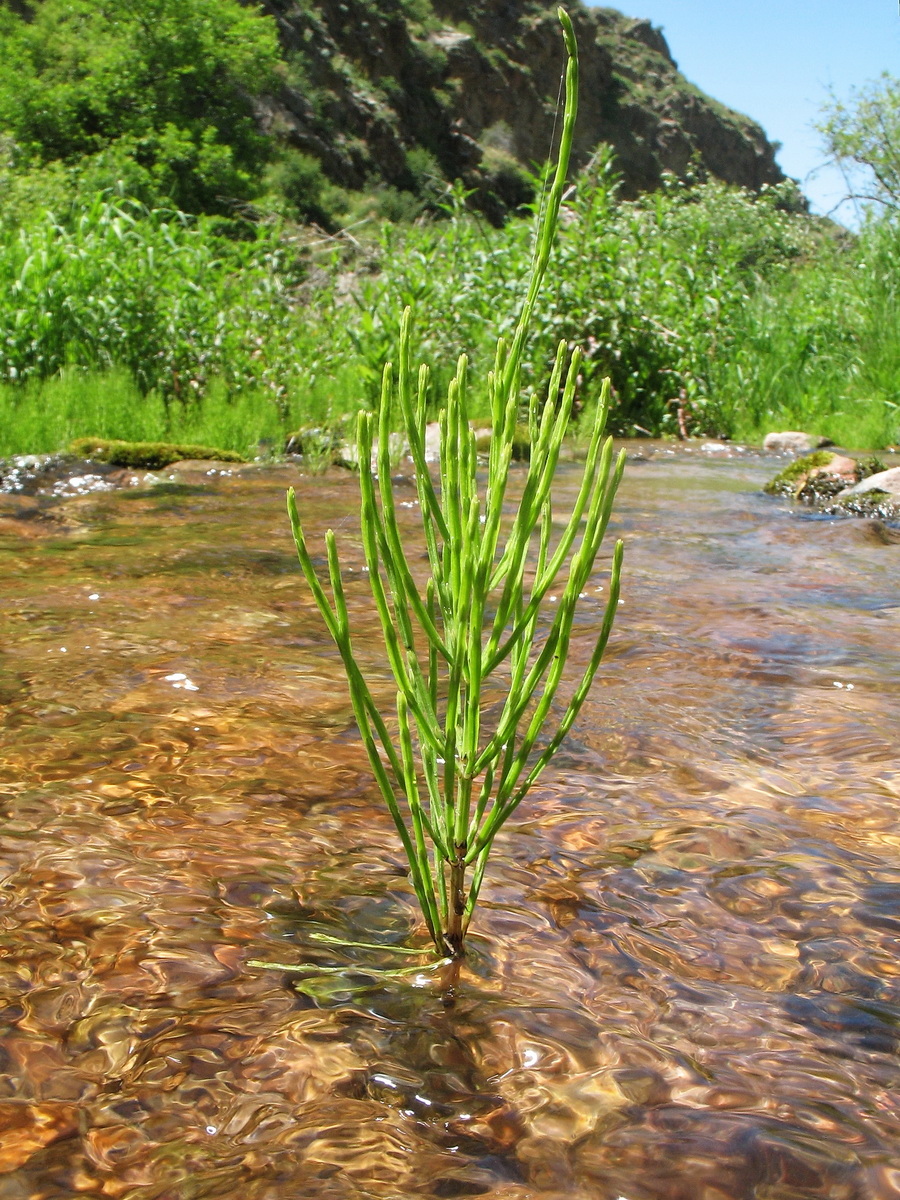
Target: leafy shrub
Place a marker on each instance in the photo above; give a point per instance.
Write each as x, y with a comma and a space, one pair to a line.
654, 288
165, 84
298, 178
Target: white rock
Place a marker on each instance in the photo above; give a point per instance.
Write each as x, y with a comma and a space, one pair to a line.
432, 442
450, 39
885, 481
790, 442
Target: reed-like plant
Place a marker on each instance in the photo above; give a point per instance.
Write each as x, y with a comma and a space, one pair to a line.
475, 638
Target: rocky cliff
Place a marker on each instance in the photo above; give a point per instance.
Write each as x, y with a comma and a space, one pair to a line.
397, 91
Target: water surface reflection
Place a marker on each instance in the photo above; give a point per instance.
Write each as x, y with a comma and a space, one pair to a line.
684, 984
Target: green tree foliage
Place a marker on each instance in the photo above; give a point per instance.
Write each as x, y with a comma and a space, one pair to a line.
863, 137
159, 90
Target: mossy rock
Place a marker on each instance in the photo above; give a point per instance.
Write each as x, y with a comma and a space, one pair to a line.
874, 503
808, 478
820, 489
869, 466
787, 481
521, 444
820, 480
148, 455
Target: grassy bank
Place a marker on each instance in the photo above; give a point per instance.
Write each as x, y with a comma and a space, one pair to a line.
46, 415
714, 311
821, 349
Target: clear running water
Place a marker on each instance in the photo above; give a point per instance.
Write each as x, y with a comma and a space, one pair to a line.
685, 973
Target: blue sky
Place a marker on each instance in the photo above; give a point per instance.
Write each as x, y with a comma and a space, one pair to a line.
776, 60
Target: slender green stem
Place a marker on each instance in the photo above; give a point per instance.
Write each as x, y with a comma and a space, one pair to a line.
478, 624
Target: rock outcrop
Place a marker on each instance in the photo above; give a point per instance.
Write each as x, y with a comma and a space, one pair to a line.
839, 485
384, 90
886, 482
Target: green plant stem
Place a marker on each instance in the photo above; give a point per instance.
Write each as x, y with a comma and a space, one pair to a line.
482, 626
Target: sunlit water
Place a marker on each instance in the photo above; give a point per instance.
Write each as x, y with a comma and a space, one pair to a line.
685, 973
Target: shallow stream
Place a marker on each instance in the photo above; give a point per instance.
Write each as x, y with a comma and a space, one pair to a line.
685, 972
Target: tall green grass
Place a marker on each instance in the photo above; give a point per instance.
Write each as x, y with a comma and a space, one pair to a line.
821, 351
44, 416
153, 292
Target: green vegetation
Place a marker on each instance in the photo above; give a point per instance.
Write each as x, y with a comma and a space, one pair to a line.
45, 416
153, 92
708, 307
473, 636
821, 348
154, 283
152, 292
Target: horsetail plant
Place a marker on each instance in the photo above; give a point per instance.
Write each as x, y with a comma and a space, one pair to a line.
475, 631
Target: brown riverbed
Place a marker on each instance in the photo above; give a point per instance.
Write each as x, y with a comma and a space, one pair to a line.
685, 973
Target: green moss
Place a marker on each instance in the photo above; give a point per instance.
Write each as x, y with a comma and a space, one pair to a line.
786, 481
149, 455
820, 489
869, 504
868, 466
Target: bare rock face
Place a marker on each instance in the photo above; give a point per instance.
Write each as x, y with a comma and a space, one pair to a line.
477, 87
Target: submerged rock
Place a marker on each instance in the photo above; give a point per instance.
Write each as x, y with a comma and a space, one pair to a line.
27, 472
878, 533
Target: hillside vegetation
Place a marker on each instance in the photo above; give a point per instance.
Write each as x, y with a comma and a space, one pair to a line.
328, 108
158, 280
